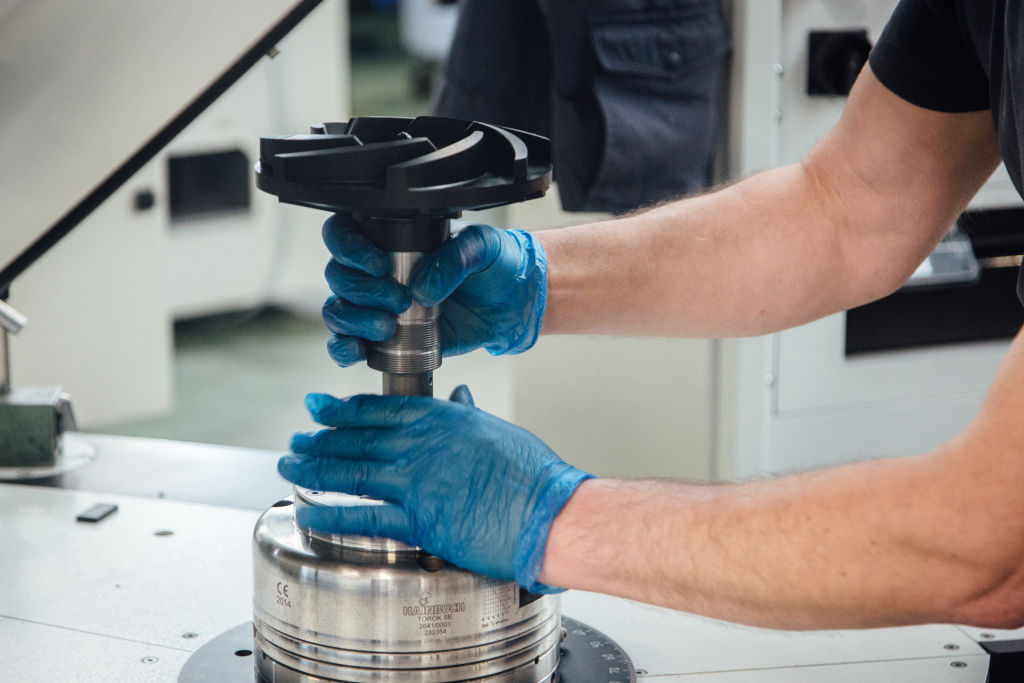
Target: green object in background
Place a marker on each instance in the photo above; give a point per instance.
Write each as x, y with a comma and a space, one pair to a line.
31, 422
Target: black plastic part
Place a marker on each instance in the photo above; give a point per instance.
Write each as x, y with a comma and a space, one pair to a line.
403, 167
405, 234
97, 513
111, 183
987, 310
994, 232
1006, 661
835, 58
349, 163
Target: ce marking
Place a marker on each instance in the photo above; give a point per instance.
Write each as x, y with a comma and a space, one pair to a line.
282, 589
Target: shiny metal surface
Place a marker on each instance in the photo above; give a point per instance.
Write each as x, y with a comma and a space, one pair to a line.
311, 498
586, 656
409, 358
413, 384
324, 609
11, 321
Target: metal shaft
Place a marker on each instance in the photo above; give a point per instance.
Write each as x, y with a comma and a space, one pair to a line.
408, 359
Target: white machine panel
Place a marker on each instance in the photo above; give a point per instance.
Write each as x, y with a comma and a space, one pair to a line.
87, 83
102, 301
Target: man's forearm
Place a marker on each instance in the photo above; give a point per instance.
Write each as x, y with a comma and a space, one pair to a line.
873, 544
732, 263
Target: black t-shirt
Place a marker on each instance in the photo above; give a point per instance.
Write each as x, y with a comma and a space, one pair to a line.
958, 56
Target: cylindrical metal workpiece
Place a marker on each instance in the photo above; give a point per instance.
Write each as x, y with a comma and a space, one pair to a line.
362, 610
409, 358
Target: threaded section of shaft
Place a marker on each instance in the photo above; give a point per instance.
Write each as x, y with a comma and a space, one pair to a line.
415, 348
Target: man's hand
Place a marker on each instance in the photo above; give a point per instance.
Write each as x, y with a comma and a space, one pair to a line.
491, 284
464, 485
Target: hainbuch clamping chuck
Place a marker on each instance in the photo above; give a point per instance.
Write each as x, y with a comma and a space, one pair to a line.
403, 180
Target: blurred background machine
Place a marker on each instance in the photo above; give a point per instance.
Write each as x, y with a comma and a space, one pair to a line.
896, 377
185, 235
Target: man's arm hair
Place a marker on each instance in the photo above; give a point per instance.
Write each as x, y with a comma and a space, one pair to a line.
845, 226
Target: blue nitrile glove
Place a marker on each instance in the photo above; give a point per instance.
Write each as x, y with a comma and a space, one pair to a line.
462, 484
491, 285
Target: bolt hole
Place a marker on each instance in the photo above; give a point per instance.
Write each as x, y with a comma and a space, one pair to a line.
430, 563
641, 672
281, 504
951, 646
189, 635
988, 636
243, 653
149, 660
316, 493
958, 665
163, 532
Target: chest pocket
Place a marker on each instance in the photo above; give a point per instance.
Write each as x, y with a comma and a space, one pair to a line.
657, 80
